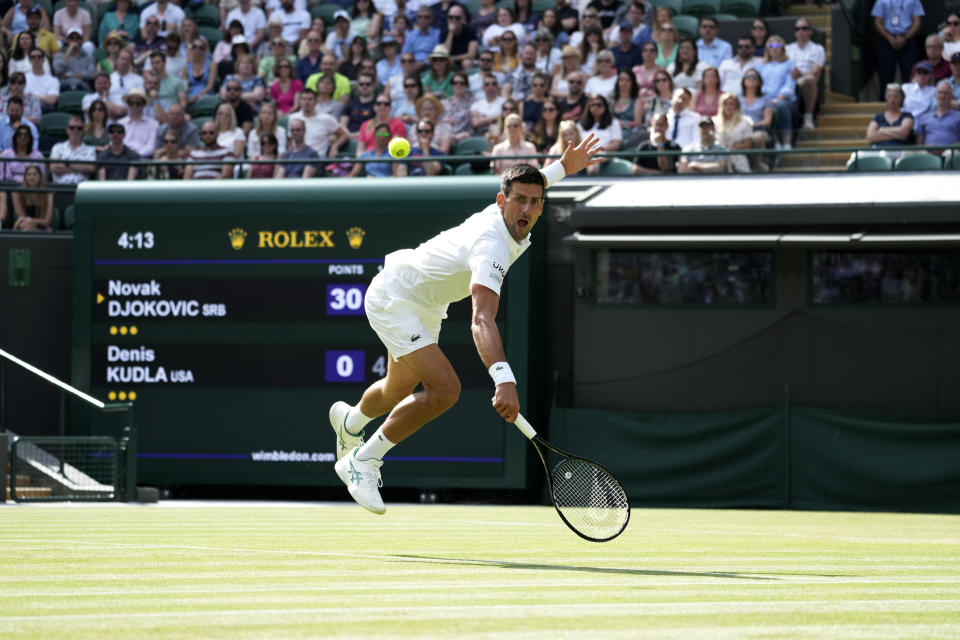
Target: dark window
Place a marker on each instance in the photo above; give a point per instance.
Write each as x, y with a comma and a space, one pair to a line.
889, 277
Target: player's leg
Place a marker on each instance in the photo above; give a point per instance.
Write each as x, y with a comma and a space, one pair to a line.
384, 394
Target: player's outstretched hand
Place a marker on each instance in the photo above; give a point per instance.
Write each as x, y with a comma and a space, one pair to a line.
581, 156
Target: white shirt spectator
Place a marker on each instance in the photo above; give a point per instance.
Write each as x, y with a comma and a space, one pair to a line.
476, 83
253, 142
488, 109
39, 86
805, 58
252, 21
605, 136
683, 130
121, 85
494, 31
601, 86
731, 74
917, 102
691, 82
63, 151
293, 24
171, 16
274, 5
319, 129
340, 47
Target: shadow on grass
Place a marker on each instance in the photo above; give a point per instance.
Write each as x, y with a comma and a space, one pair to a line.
504, 564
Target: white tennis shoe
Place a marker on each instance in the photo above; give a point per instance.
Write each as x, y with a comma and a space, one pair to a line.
362, 478
346, 441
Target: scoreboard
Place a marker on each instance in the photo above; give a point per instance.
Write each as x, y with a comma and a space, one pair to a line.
232, 316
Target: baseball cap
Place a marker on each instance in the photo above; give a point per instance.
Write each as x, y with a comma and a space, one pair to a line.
955, 57
924, 64
706, 120
74, 32
238, 39
34, 10
341, 14
626, 25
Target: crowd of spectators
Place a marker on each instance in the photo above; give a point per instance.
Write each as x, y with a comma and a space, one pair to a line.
223, 91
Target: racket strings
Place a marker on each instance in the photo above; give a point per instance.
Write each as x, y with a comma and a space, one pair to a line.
589, 498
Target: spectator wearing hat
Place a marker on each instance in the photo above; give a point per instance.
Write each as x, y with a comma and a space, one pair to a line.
710, 48
940, 126
896, 23
422, 39
74, 65
140, 129
626, 54
919, 94
933, 46
41, 85
436, 79
113, 44
954, 79
338, 40
389, 64
705, 158
73, 17
42, 38
123, 79
459, 38
168, 14
76, 159
116, 152
296, 22
254, 21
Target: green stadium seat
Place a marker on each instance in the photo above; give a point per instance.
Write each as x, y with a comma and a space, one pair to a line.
700, 8
71, 102
54, 124
326, 12
687, 26
919, 162
349, 150
47, 6
469, 146
212, 35
69, 216
616, 167
675, 6
724, 17
473, 6
464, 170
741, 8
206, 15
199, 122
505, 4
539, 6
953, 162
205, 106
869, 163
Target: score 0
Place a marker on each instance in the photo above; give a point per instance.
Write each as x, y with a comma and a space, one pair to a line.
350, 366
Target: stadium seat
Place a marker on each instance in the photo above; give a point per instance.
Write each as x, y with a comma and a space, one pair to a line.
616, 167
199, 122
349, 150
539, 6
741, 8
869, 163
205, 106
326, 12
687, 26
47, 6
71, 102
206, 15
212, 35
953, 162
469, 146
505, 4
700, 8
918, 162
724, 17
473, 6
69, 215
463, 170
54, 124
675, 6
283, 122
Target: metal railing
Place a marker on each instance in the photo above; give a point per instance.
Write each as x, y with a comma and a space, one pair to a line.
127, 443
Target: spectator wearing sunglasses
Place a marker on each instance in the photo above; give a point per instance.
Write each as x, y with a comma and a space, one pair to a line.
459, 38
808, 58
40, 84
424, 147
733, 69
381, 116
76, 161
118, 155
381, 141
268, 151
778, 83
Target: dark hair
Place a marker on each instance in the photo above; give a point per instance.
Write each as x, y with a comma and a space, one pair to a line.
15, 100
156, 53
269, 137
710, 18
691, 68
605, 120
416, 78
743, 85
634, 87
522, 174
18, 53
234, 23
540, 136
21, 129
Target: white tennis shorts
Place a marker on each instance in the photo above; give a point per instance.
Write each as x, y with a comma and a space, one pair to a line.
402, 326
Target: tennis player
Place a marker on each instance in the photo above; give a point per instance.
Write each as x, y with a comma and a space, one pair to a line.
405, 304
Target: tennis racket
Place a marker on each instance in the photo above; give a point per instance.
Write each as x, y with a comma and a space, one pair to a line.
587, 497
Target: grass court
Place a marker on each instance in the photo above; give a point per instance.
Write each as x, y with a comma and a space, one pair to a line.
262, 570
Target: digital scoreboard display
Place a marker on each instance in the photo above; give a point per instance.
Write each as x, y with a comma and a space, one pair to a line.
233, 328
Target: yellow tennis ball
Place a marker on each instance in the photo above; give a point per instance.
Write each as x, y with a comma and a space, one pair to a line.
399, 147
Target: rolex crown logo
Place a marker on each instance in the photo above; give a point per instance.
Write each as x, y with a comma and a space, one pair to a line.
237, 237
355, 237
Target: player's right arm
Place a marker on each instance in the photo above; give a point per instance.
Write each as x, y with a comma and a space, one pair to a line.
489, 344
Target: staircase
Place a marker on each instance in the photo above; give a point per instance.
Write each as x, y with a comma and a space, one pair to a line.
843, 121
24, 490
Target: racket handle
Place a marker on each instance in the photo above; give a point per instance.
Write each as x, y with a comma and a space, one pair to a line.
525, 427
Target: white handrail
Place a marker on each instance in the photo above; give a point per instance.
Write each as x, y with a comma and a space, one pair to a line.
49, 378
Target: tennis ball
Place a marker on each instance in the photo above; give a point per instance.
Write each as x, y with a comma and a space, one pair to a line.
399, 147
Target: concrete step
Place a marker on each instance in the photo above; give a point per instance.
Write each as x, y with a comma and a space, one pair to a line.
812, 161
31, 492
838, 98
829, 133
833, 121
837, 143
847, 108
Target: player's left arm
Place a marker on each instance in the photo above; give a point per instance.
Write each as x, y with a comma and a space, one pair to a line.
489, 344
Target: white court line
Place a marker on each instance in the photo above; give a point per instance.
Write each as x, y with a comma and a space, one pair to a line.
810, 535
526, 609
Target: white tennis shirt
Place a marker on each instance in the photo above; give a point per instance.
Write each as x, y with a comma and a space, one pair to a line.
443, 269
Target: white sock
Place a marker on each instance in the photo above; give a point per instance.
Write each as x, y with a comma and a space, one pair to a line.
808, 118
375, 447
356, 421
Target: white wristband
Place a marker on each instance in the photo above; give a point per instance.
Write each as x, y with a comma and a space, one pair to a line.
501, 372
553, 173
